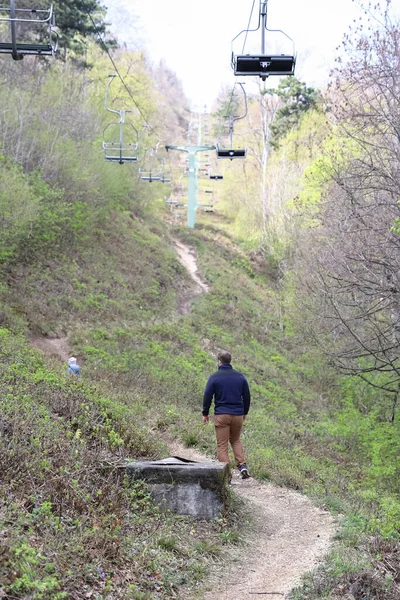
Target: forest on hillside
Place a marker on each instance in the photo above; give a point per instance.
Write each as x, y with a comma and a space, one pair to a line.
302, 257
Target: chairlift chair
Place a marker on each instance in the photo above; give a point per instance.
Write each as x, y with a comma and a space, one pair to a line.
18, 17
208, 208
173, 204
120, 150
263, 64
216, 177
236, 146
151, 174
178, 216
165, 175
157, 173
157, 178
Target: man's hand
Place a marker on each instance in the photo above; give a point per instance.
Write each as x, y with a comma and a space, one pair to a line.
206, 419
244, 418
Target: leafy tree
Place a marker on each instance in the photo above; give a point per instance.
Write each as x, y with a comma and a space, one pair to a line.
230, 103
297, 99
77, 21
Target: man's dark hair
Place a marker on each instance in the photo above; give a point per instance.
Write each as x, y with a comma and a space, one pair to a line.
224, 357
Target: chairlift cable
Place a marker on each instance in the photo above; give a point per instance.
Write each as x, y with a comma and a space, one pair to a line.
248, 26
117, 71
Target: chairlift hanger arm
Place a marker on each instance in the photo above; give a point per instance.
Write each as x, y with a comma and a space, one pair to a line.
285, 34
120, 113
248, 30
15, 54
238, 118
34, 11
262, 21
263, 15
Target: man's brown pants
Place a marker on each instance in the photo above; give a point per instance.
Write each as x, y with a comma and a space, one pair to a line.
227, 429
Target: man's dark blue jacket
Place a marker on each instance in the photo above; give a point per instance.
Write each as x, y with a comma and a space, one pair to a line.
230, 391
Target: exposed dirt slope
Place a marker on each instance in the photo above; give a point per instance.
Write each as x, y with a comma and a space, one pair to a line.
187, 258
56, 346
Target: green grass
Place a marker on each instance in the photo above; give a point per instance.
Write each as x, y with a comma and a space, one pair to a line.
70, 519
144, 371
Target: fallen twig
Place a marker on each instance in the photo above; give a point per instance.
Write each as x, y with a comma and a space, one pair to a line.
266, 593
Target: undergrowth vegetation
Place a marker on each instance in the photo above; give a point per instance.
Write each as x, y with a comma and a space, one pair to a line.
72, 524
145, 366
308, 428
86, 255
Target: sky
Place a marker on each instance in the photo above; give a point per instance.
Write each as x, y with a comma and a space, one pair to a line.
194, 38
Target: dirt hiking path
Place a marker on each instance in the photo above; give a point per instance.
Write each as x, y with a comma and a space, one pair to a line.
287, 535
286, 538
187, 257
52, 346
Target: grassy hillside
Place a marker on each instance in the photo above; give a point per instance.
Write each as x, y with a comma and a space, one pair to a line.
71, 523
85, 252
144, 370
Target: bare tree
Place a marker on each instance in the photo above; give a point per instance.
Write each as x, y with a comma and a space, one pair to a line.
352, 265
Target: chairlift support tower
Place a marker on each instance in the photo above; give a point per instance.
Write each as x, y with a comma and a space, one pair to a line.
192, 178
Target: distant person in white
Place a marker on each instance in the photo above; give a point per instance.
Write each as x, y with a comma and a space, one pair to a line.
73, 367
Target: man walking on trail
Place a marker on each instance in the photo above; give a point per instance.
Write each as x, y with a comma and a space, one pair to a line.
231, 394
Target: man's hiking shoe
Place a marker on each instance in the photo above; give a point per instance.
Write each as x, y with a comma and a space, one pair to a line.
244, 472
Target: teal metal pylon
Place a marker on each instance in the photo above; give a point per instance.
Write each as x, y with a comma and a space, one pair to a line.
193, 178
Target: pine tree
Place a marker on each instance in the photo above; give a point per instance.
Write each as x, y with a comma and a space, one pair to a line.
297, 99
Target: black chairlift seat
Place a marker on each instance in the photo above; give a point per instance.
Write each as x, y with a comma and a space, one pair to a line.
216, 177
231, 153
264, 65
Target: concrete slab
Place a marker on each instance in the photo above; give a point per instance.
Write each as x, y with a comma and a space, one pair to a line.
196, 489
